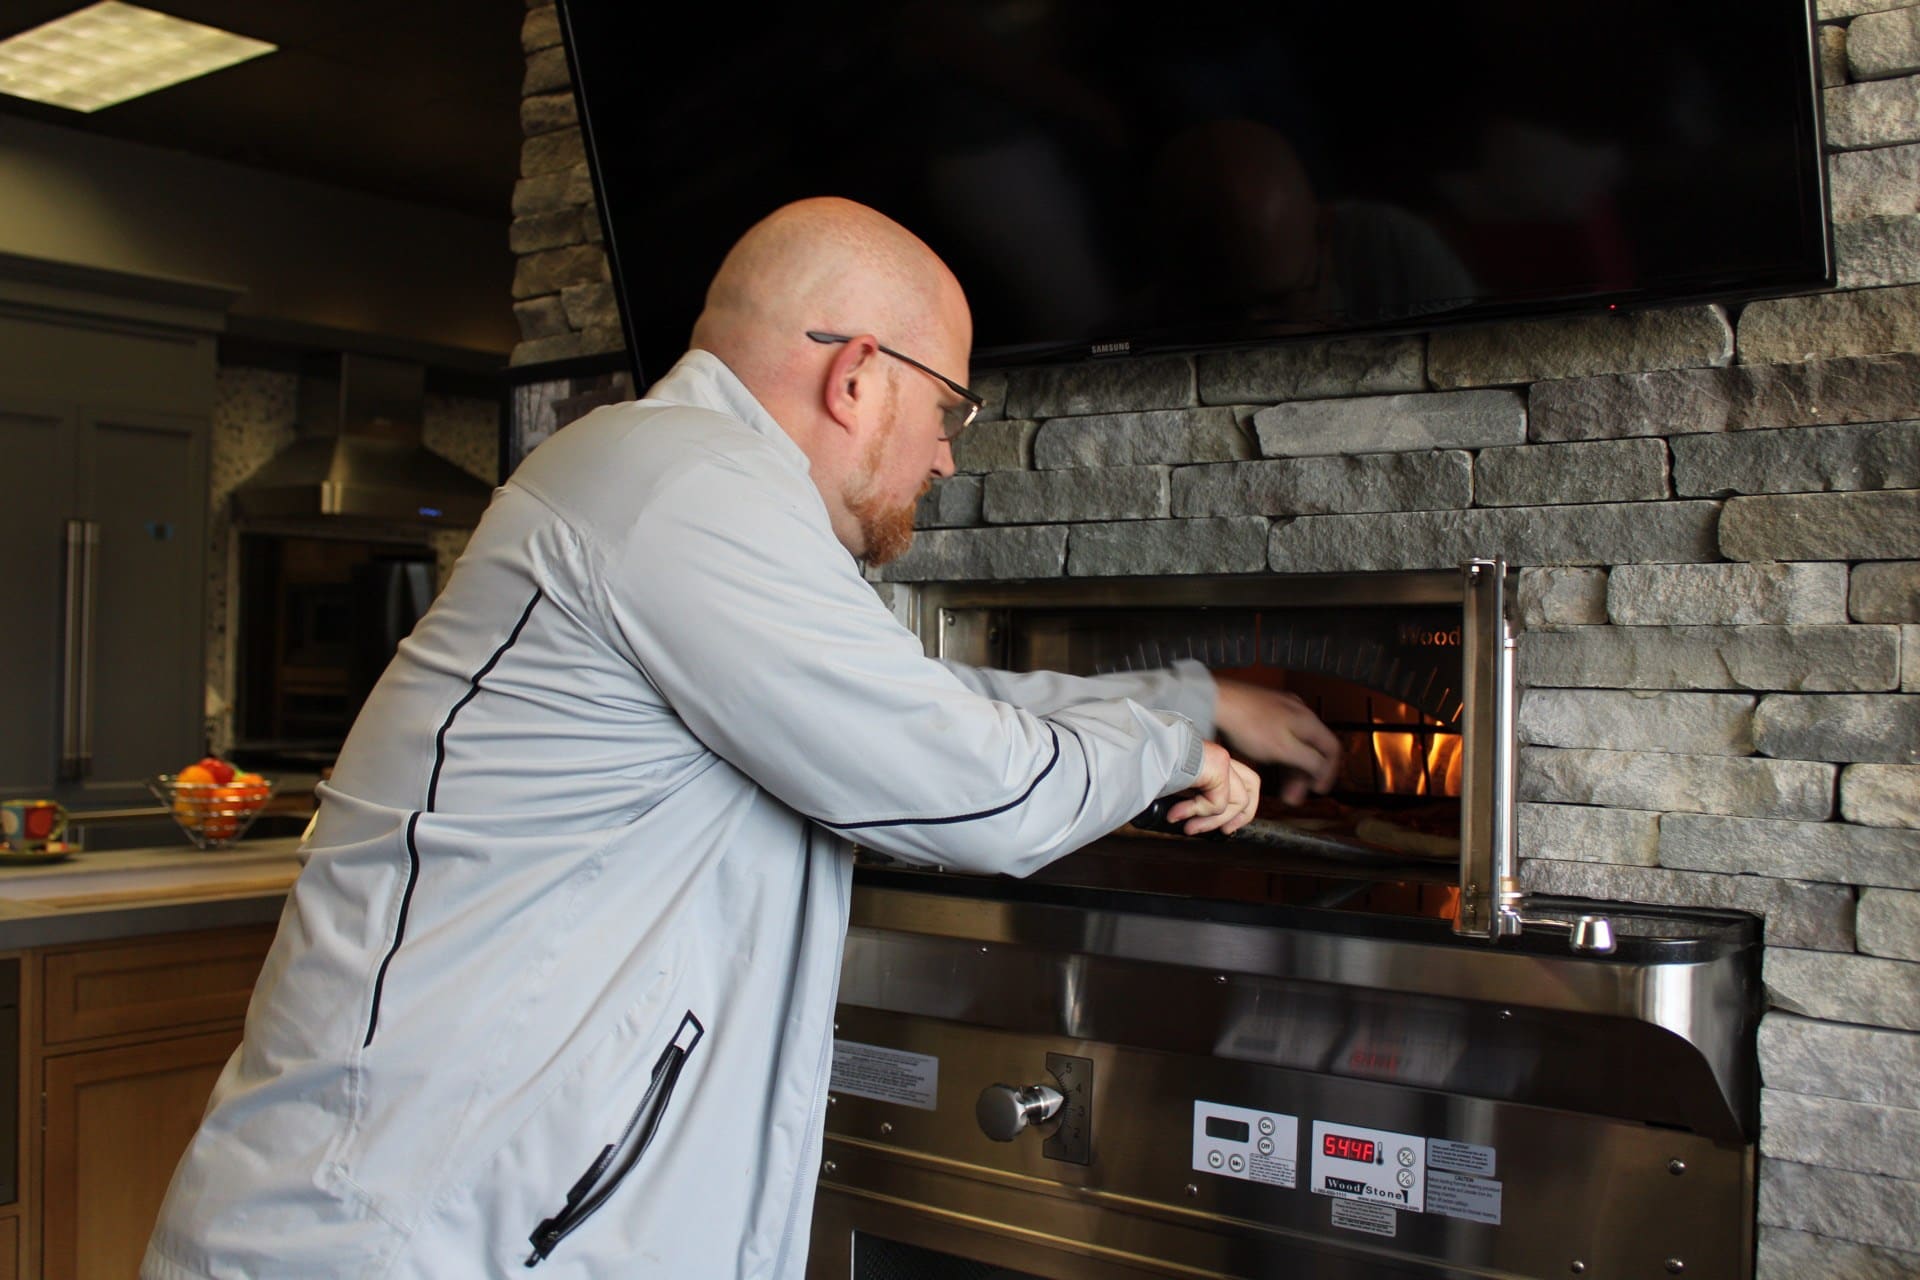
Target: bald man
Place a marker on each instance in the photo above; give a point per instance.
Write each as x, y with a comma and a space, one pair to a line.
555, 988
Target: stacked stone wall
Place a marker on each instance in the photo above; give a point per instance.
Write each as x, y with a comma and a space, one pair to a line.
1716, 513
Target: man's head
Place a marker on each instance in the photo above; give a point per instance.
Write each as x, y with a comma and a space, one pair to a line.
854, 396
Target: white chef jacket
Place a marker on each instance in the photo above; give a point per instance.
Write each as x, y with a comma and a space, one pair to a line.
570, 924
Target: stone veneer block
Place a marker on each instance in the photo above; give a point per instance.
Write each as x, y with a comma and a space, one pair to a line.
1874, 525
1808, 916
1100, 386
1582, 833
1873, 184
1591, 471
560, 346
1801, 1255
1819, 325
554, 230
1830, 1060
540, 29
1815, 659
1737, 398
555, 269
1828, 9
552, 152
991, 386
1837, 1134
981, 554
1680, 532
1879, 113
1387, 424
1888, 924
952, 503
1805, 459
1228, 544
1726, 594
541, 317
1048, 497
1887, 591
1740, 787
1718, 724
1833, 56
1910, 659
1832, 1202
1003, 445
1881, 795
1886, 44
1312, 371
552, 191
1318, 486
1876, 252
1880, 728
1839, 988
1579, 347
1831, 851
1560, 597
590, 305
1171, 436
546, 73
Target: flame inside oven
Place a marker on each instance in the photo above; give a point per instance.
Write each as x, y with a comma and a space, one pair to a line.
1417, 764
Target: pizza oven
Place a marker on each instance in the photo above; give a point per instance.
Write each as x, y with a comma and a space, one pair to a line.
1339, 1043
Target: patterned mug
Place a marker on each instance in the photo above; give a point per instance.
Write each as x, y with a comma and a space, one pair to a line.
29, 826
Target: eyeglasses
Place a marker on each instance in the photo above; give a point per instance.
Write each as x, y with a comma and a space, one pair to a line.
954, 417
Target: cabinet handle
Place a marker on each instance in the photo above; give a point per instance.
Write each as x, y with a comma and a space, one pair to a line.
76, 684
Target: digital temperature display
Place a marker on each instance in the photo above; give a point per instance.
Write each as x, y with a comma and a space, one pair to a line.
1340, 1145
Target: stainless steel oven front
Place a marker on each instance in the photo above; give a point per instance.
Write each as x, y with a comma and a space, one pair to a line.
1349, 1050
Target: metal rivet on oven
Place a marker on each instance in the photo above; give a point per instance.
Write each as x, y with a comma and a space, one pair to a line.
832, 1101
1506, 1015
983, 951
1676, 1167
1578, 1267
1192, 1190
1220, 978
829, 1167
1675, 1266
886, 1127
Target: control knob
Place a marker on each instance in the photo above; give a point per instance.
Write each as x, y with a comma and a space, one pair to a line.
1003, 1111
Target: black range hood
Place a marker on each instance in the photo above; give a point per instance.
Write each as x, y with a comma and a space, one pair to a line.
359, 454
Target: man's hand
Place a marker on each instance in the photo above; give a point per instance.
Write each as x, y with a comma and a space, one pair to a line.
1271, 727
1224, 796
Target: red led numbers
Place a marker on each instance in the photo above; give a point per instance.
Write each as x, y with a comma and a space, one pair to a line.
1339, 1144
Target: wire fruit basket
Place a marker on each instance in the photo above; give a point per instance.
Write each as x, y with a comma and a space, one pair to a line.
213, 814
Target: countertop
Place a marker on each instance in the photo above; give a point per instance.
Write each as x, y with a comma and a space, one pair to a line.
127, 893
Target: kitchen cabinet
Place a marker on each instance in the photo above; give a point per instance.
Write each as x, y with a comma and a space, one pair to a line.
124, 1042
106, 400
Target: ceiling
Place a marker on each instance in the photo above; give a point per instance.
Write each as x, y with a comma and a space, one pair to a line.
417, 100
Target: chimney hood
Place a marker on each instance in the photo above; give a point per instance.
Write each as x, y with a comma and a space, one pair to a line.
358, 454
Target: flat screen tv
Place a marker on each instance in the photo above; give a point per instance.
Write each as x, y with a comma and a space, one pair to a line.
1110, 178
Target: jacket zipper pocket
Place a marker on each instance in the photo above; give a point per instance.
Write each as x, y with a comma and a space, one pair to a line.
617, 1159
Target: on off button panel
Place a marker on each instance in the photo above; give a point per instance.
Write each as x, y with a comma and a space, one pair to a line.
1239, 1142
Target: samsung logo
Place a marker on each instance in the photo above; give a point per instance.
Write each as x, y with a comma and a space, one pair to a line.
1111, 348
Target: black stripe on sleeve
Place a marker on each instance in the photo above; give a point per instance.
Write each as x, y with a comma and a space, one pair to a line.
959, 817
473, 690
399, 928
413, 820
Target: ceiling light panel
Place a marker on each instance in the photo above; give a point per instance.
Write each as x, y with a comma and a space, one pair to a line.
110, 52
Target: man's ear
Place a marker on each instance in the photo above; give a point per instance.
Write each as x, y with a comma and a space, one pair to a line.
852, 386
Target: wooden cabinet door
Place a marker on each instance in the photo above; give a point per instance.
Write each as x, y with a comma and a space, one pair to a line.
117, 1122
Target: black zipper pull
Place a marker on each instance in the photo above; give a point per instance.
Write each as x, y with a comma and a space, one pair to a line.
552, 1230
